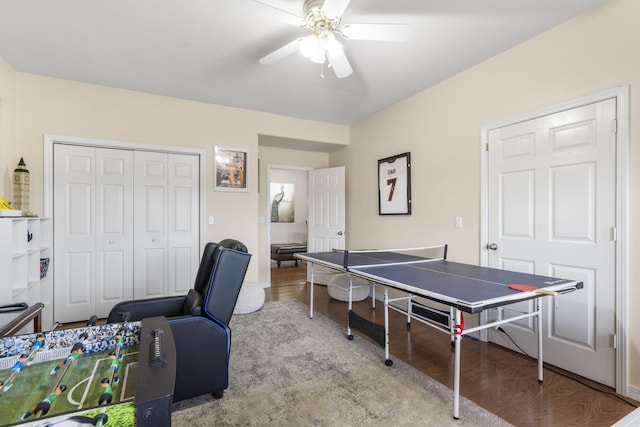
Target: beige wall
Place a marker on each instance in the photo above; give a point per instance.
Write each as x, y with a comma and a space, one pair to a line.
51, 106
8, 159
441, 128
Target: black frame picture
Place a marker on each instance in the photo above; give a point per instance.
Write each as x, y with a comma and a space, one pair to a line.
394, 185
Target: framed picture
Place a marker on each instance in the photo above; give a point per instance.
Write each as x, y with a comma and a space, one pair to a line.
283, 202
230, 166
394, 185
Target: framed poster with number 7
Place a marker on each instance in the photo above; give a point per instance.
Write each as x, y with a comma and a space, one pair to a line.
394, 185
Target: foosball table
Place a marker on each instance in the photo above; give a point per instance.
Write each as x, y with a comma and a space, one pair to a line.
110, 375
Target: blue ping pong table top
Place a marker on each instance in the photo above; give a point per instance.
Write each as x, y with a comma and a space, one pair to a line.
471, 288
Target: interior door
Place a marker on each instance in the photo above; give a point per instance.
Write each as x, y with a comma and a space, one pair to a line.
552, 212
150, 224
183, 222
93, 228
326, 209
114, 228
74, 230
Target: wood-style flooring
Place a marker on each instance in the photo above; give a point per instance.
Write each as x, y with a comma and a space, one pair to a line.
499, 380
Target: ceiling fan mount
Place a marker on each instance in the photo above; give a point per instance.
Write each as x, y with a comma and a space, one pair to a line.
323, 18
315, 19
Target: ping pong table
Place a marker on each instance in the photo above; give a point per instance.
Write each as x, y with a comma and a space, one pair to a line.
460, 287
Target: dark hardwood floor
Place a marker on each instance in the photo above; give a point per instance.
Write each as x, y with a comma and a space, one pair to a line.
499, 380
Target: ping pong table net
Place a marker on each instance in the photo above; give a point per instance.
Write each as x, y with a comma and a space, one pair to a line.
354, 258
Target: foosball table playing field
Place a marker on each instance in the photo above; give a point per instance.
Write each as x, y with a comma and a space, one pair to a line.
111, 375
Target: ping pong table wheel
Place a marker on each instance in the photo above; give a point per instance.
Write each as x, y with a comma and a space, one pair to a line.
388, 362
350, 337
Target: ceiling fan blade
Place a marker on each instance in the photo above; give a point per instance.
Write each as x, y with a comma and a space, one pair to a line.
284, 16
281, 53
339, 62
377, 32
334, 8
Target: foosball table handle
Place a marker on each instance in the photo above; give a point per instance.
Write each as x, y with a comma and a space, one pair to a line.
156, 351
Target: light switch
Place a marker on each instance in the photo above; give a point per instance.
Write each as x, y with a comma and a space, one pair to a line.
458, 222
210, 219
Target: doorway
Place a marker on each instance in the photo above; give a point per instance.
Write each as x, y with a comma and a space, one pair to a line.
287, 196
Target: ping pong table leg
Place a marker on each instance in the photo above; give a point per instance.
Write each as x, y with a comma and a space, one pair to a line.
350, 305
373, 299
538, 308
313, 269
456, 369
387, 359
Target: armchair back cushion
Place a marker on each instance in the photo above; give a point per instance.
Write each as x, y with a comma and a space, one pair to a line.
226, 280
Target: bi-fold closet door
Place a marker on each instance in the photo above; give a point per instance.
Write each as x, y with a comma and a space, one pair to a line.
126, 226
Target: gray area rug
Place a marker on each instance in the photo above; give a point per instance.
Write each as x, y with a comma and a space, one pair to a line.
289, 370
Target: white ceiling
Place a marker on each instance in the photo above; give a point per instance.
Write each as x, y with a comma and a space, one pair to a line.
208, 50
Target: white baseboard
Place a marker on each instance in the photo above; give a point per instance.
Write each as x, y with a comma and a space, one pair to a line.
634, 392
633, 419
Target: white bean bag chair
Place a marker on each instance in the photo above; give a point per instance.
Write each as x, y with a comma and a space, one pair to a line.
250, 299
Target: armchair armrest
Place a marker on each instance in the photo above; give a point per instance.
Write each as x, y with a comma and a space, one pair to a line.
139, 309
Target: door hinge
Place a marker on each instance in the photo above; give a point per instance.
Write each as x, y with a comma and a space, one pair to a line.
614, 126
614, 234
614, 341
486, 146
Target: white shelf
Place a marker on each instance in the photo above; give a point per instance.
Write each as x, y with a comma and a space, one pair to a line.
25, 241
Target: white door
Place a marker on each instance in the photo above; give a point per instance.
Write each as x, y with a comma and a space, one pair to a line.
326, 209
74, 230
184, 222
166, 223
552, 212
150, 224
93, 243
114, 228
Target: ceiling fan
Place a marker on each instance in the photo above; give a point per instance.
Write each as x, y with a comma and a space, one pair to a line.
323, 17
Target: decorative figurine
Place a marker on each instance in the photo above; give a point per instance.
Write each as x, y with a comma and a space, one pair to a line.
21, 188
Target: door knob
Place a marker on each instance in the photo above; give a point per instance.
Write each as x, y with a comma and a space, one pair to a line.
492, 246
340, 233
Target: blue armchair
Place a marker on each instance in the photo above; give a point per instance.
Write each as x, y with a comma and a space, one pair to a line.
202, 335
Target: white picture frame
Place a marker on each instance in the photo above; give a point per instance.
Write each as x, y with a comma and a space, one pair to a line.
230, 169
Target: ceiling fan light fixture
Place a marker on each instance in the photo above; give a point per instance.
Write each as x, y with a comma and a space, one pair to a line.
310, 48
327, 41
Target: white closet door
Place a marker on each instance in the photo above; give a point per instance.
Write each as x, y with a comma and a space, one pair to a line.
150, 224
93, 229
114, 228
74, 245
183, 222
126, 224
